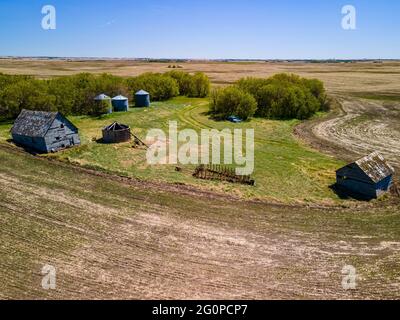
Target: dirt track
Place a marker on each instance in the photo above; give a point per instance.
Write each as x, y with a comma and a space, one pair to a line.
358, 128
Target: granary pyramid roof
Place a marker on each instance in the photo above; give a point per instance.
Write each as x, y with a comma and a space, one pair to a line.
116, 127
375, 166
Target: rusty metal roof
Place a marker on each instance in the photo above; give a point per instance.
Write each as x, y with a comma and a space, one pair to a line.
33, 123
116, 127
375, 166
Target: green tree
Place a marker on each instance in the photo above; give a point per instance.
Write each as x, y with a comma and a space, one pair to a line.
232, 101
199, 86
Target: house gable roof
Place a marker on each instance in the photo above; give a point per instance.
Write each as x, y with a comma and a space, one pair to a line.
374, 166
64, 119
37, 123
33, 123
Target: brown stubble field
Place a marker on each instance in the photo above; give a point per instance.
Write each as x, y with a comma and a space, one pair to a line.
358, 77
121, 239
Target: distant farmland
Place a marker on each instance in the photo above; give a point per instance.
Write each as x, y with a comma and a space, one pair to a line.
357, 78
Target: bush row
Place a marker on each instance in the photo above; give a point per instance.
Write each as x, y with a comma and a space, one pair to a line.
283, 96
75, 94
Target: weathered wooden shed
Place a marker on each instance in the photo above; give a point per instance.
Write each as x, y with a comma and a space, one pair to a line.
116, 133
370, 177
44, 131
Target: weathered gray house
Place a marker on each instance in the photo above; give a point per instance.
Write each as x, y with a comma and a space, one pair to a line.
44, 131
370, 176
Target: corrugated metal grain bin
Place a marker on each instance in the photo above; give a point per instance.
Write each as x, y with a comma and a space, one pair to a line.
120, 103
104, 103
142, 99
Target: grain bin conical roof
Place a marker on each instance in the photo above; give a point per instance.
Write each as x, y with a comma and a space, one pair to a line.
142, 93
120, 97
102, 97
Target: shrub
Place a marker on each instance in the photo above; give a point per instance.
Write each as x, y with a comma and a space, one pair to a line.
286, 96
233, 101
75, 94
252, 85
25, 94
69, 95
160, 86
195, 86
199, 86
183, 79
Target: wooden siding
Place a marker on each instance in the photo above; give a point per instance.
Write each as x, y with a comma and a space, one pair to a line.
34, 143
352, 171
365, 188
61, 135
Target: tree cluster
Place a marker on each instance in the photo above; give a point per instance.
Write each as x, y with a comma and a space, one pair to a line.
74, 95
283, 96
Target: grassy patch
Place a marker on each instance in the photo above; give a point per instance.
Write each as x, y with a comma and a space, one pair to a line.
285, 170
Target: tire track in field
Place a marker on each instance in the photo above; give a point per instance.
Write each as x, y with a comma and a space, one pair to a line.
146, 247
362, 127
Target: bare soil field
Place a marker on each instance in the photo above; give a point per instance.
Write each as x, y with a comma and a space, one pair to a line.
356, 128
112, 239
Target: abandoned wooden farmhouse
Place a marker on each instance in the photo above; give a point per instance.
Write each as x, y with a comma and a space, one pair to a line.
370, 177
44, 131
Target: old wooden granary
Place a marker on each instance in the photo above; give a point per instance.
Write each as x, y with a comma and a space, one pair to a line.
116, 133
44, 131
369, 177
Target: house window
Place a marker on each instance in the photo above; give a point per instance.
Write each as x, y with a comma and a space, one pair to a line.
62, 126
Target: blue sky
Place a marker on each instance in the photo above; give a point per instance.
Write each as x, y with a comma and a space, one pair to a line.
256, 29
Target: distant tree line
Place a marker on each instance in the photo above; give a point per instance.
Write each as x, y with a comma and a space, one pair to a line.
74, 95
283, 96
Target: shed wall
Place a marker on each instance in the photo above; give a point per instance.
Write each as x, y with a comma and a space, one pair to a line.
34, 143
359, 187
59, 137
116, 136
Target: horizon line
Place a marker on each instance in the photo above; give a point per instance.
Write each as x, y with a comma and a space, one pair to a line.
193, 59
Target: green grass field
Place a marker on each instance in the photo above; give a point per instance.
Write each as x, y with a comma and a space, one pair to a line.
285, 169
